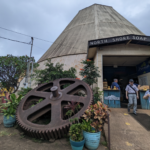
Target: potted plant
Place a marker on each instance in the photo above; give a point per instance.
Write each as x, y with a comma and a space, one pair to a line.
9, 110
76, 136
94, 118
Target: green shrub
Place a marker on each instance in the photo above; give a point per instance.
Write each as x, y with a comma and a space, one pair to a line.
9, 108
97, 94
75, 132
24, 91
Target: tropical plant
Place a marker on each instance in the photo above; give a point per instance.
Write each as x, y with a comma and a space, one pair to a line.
12, 71
24, 91
75, 132
89, 72
97, 94
72, 107
96, 115
86, 126
51, 72
9, 108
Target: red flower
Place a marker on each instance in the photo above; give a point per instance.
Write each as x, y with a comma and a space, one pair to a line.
88, 60
82, 69
78, 78
84, 76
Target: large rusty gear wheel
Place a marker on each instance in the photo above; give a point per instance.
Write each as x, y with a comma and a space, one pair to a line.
54, 99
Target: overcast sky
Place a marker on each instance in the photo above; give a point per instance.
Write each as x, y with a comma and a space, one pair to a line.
46, 19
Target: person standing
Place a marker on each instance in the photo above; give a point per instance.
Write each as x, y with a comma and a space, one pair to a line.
115, 83
132, 95
147, 95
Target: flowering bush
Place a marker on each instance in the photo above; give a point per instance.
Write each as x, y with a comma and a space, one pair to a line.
97, 116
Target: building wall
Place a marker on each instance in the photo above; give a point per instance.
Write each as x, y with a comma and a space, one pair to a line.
68, 61
118, 50
147, 76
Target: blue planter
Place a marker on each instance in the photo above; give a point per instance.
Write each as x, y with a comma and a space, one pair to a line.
77, 145
9, 122
92, 140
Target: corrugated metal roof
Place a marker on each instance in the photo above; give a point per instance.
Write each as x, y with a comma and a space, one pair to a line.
94, 22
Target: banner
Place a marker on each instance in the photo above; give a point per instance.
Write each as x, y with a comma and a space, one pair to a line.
143, 67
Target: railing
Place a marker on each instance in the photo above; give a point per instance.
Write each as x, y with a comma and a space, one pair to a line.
108, 132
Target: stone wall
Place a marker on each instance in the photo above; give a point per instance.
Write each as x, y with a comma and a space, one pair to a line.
68, 61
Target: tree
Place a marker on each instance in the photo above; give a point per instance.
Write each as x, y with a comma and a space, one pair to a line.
89, 72
12, 70
51, 72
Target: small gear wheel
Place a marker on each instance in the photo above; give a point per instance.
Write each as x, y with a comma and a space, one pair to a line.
42, 114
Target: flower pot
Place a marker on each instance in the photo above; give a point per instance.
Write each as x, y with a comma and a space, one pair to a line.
9, 122
77, 145
92, 140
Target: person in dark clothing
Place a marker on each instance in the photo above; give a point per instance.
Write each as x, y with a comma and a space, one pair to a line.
115, 83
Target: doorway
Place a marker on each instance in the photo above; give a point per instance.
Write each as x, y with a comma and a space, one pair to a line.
122, 68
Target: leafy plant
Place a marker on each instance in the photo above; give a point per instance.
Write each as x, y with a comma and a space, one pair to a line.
90, 72
69, 113
97, 94
72, 106
12, 71
75, 131
9, 108
40, 100
86, 126
24, 91
52, 72
96, 115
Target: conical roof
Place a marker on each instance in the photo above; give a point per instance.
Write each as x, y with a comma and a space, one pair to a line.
94, 22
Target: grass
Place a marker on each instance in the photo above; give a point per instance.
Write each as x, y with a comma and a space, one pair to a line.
6, 133
36, 140
104, 143
3, 133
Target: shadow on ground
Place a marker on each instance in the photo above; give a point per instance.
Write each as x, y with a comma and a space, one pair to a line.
143, 119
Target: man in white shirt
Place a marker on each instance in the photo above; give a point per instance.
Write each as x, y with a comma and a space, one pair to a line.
132, 95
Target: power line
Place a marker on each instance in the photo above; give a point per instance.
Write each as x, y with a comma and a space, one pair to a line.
14, 40
39, 38
25, 34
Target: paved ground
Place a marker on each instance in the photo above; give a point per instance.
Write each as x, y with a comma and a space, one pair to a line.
11, 138
129, 132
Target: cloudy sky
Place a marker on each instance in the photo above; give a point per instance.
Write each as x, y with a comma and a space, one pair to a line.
46, 19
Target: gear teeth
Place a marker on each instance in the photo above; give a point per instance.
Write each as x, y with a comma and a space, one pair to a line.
44, 134
52, 135
62, 132
47, 133
35, 135
38, 135
41, 134
59, 133
55, 134
31, 133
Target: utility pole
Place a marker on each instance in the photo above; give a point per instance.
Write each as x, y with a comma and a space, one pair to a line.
28, 66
